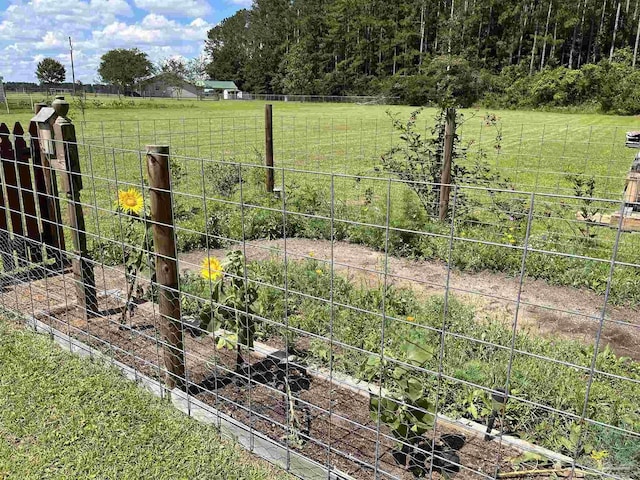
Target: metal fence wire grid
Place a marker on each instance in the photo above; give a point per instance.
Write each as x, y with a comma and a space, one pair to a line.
341, 318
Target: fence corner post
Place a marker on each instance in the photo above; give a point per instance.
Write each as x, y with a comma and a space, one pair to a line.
68, 162
268, 146
164, 243
445, 178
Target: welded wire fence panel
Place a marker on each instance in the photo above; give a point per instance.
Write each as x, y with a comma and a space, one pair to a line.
539, 157
338, 318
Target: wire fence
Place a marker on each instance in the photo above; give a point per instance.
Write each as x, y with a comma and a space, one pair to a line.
533, 157
336, 321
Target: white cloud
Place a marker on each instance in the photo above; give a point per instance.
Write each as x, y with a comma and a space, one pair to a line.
182, 8
96, 27
154, 30
51, 41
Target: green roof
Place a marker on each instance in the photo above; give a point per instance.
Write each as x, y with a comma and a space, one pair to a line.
219, 85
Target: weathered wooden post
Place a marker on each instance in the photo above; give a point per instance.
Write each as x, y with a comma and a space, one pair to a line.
42, 150
166, 266
268, 145
68, 162
445, 178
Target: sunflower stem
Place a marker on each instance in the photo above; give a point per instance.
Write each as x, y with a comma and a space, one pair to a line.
134, 281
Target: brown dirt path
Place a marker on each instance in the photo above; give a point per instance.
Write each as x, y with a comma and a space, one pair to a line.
544, 309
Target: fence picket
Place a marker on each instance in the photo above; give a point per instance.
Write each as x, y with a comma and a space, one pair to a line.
6, 251
22, 155
13, 196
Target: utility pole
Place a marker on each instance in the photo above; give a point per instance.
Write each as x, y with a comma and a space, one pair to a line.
73, 72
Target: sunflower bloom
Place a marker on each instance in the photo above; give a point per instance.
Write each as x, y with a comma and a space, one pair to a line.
130, 201
319, 272
411, 319
211, 268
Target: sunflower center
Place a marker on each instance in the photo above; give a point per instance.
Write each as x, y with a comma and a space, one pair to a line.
130, 202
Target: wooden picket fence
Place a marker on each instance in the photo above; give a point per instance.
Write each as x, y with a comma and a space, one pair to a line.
31, 234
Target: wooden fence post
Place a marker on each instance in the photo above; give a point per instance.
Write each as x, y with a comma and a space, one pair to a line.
268, 145
445, 178
47, 194
68, 162
166, 265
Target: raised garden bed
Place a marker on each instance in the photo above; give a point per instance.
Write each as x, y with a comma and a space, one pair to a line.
333, 421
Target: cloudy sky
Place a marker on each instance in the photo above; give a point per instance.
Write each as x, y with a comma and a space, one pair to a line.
33, 29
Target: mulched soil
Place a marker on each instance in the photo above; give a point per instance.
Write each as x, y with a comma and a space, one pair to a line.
341, 432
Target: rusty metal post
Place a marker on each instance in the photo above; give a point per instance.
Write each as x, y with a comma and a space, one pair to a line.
166, 265
445, 178
268, 146
68, 163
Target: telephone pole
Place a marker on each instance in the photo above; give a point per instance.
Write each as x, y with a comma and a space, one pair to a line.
73, 72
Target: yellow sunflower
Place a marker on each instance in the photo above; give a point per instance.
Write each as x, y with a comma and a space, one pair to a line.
130, 201
211, 268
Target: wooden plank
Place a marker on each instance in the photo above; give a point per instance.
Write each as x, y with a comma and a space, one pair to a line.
7, 157
6, 250
630, 223
23, 154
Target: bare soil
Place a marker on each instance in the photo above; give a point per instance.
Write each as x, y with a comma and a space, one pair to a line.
341, 433
544, 309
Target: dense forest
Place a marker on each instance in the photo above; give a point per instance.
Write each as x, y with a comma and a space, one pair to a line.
509, 53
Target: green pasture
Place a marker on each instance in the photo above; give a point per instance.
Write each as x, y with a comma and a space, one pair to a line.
537, 149
312, 140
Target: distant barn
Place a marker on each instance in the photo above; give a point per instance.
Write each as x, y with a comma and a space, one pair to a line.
158, 86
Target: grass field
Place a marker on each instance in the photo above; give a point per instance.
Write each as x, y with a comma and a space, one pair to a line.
537, 148
63, 417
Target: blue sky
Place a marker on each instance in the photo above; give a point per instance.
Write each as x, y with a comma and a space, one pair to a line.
33, 29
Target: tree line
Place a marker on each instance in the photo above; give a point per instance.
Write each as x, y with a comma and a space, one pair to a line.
464, 49
126, 69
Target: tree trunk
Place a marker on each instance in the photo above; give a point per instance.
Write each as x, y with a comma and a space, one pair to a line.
595, 48
615, 30
573, 43
590, 39
522, 32
421, 34
546, 32
555, 36
450, 31
635, 48
584, 8
533, 50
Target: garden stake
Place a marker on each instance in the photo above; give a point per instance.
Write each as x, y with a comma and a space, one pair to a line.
498, 402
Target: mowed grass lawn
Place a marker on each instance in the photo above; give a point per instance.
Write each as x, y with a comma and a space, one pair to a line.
62, 417
536, 148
